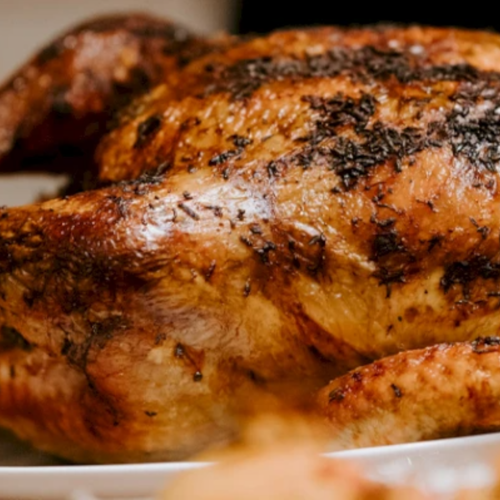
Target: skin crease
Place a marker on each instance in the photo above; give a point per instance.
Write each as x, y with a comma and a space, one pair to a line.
281, 210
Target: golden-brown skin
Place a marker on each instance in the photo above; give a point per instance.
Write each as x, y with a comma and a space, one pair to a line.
282, 210
441, 391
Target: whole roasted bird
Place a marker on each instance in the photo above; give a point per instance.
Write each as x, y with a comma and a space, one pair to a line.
271, 213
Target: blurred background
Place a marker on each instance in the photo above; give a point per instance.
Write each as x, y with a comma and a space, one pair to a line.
25, 24
264, 15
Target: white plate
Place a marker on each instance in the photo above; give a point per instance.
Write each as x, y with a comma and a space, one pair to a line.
434, 466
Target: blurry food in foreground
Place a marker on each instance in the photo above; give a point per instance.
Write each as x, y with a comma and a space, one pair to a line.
279, 458
298, 472
280, 473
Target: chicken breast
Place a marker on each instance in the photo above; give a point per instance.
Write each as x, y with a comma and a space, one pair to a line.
281, 210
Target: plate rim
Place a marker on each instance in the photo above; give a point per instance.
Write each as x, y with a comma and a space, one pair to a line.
133, 481
480, 440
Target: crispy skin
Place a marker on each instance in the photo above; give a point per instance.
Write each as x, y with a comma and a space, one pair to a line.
282, 210
441, 391
55, 109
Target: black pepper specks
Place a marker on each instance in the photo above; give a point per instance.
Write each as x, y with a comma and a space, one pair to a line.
272, 169
319, 239
189, 211
396, 390
366, 64
484, 345
336, 395
374, 144
255, 229
472, 133
147, 130
223, 157
179, 351
160, 338
246, 241
482, 230
263, 252
210, 270
464, 273
240, 141
388, 277
255, 378
198, 376
385, 244
217, 210
434, 241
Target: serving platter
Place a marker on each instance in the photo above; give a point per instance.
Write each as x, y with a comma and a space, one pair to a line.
434, 466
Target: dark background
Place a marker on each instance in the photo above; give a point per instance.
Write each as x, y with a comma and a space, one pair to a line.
266, 15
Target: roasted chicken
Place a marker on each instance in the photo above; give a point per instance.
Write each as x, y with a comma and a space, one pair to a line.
276, 211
